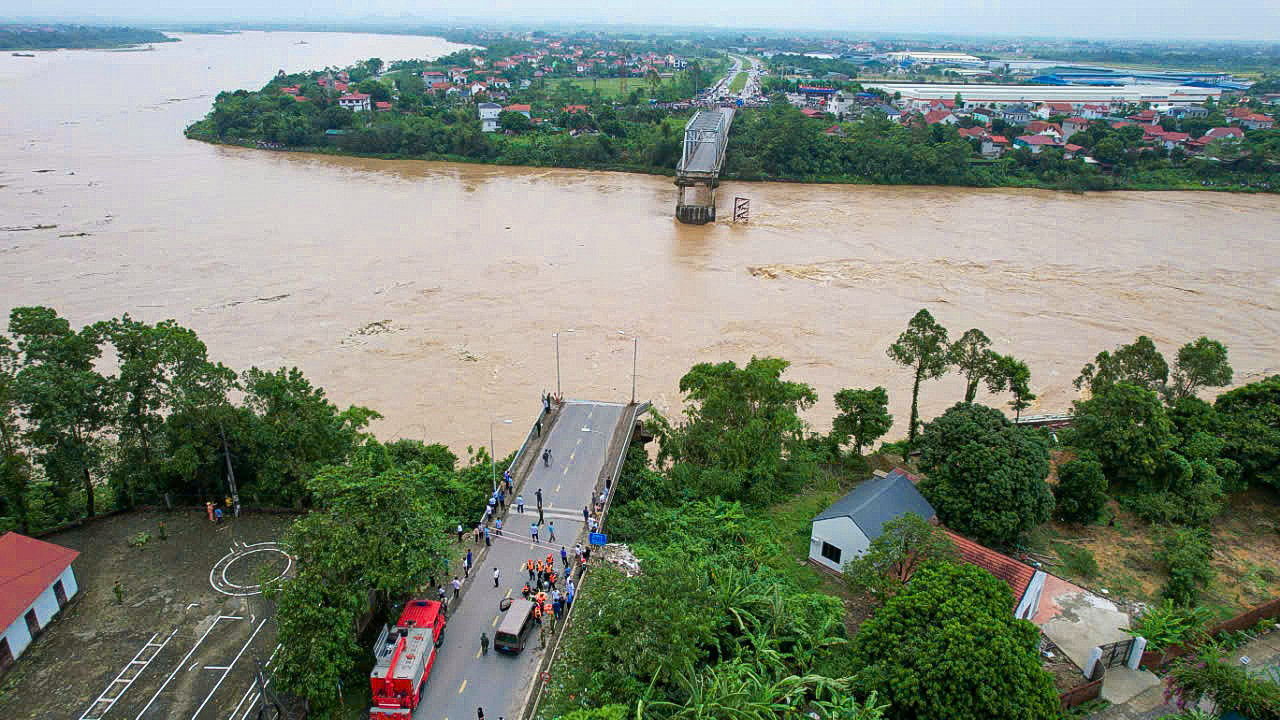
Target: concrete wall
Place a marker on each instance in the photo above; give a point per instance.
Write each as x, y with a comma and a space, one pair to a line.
46, 606
840, 532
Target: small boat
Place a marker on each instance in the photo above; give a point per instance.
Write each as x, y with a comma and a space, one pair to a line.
24, 54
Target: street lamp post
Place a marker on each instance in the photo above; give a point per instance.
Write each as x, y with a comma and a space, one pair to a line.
493, 456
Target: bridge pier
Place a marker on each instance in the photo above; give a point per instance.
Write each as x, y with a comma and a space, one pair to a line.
695, 202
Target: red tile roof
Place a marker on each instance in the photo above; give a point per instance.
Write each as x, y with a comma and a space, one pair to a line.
1015, 574
1038, 139
520, 108
936, 116
381, 105
1224, 132
1072, 147
1035, 127
812, 112
999, 140
1060, 107
27, 567
355, 96
571, 109
441, 85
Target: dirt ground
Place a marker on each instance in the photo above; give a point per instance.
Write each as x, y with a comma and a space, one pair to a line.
1246, 543
210, 639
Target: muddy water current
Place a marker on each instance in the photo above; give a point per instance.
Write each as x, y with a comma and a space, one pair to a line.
431, 291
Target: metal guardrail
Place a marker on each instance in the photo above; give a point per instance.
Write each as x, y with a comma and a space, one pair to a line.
538, 686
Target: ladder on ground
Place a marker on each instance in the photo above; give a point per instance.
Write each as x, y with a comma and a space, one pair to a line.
128, 674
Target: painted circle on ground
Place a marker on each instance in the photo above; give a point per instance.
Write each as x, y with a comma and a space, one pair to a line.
222, 583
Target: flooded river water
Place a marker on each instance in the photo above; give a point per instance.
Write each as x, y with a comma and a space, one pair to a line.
430, 291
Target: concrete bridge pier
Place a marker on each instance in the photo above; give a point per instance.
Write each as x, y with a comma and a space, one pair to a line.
696, 201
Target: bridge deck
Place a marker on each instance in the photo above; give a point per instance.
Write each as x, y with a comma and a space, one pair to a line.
707, 133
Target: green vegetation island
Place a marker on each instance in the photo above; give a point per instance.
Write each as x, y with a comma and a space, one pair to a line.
76, 37
614, 106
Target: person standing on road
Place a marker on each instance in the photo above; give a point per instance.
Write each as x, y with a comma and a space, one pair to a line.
479, 713
486, 536
546, 457
564, 556
528, 564
497, 527
586, 515
495, 577
533, 531
538, 494
209, 506
459, 532
551, 531
457, 585
484, 644
443, 600
520, 504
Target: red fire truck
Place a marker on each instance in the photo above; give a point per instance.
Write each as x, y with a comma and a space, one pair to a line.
404, 657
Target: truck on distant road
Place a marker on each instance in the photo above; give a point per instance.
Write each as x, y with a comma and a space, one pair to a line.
403, 659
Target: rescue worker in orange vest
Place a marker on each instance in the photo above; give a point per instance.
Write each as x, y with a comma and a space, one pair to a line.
525, 592
551, 561
541, 597
553, 580
529, 566
537, 613
548, 612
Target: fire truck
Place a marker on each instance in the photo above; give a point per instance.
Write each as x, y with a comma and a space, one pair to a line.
404, 656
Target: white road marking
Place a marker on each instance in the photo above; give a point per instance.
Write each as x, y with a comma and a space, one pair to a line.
226, 672
181, 663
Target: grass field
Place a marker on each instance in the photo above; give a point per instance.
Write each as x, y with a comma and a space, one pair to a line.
608, 87
739, 82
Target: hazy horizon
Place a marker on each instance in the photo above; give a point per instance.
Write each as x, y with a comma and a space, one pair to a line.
1103, 19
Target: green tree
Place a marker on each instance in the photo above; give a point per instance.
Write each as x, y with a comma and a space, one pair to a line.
1013, 375
985, 476
161, 367
515, 122
972, 357
1202, 363
1250, 417
948, 647
1139, 363
922, 347
744, 421
62, 396
316, 629
15, 474
906, 543
864, 416
1128, 430
1081, 492
1186, 555
295, 431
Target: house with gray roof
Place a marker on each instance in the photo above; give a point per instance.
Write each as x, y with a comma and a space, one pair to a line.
845, 530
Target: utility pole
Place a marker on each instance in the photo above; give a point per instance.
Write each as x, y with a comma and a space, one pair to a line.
635, 351
231, 475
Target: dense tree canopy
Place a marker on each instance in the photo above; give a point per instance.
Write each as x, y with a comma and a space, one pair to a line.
1251, 425
864, 417
1081, 491
985, 475
948, 646
741, 432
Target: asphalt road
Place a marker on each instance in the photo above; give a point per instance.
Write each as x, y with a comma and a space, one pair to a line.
463, 680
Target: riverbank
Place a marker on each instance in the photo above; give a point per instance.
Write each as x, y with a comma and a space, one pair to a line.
1138, 184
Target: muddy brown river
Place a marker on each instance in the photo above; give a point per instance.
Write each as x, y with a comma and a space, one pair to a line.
431, 291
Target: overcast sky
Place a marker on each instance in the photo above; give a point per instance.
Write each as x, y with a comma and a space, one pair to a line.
1224, 19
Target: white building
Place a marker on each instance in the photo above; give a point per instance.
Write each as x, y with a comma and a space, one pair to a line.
931, 57
845, 530
489, 116
356, 102
840, 104
1000, 95
36, 581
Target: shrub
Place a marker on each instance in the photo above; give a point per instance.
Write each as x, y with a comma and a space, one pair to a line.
1230, 686
1166, 624
1186, 554
1081, 492
1078, 561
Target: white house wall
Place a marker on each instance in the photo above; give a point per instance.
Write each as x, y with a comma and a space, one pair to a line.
841, 532
46, 606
